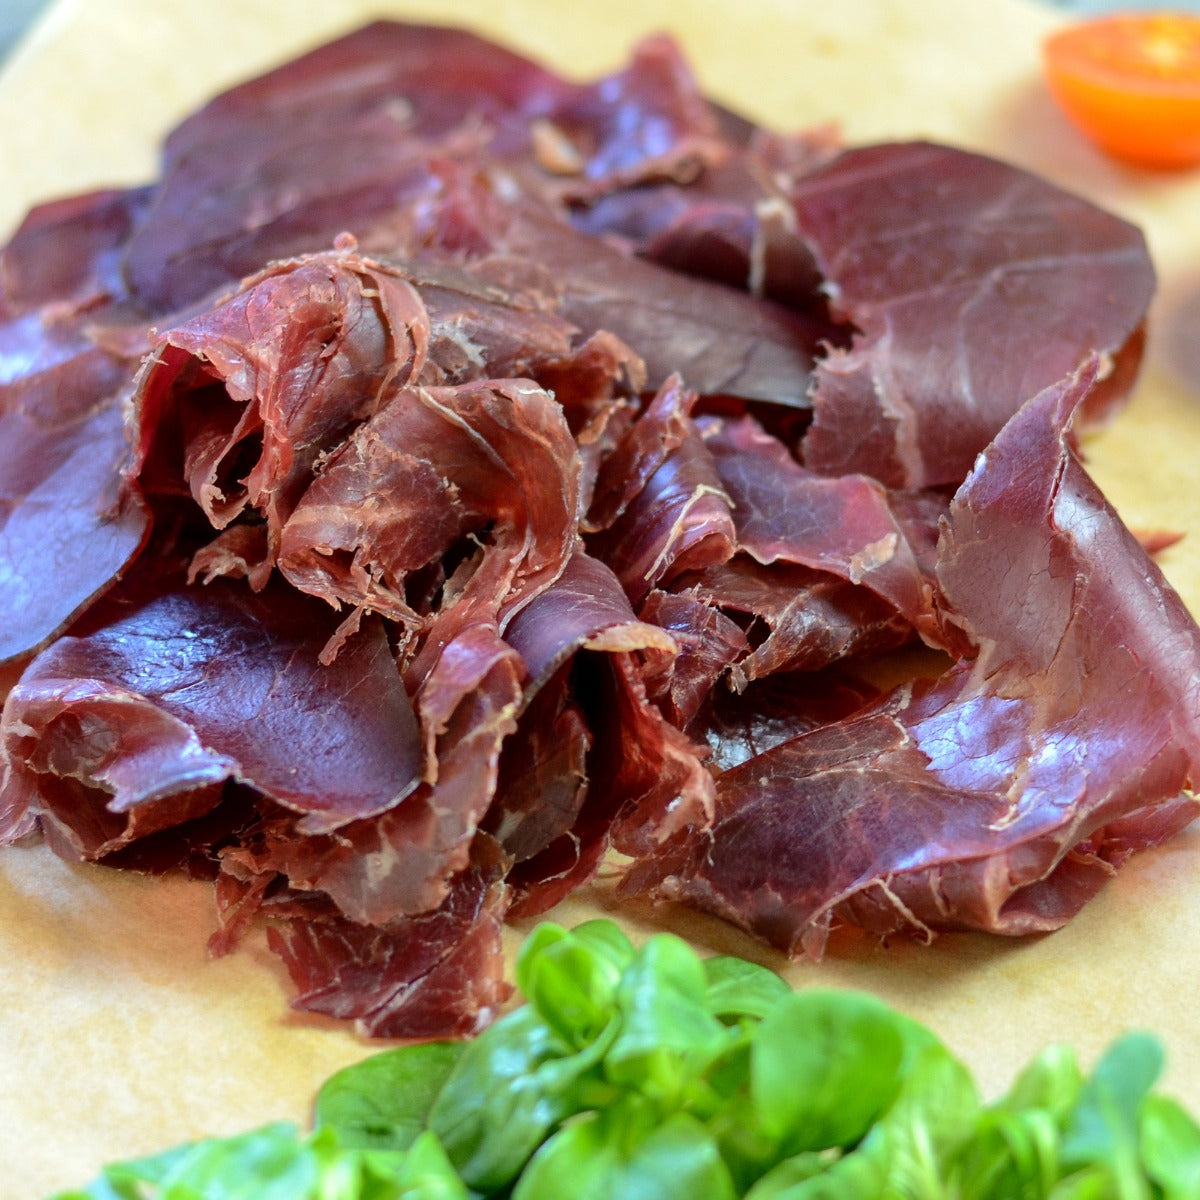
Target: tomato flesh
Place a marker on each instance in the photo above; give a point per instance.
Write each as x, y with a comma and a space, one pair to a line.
1131, 82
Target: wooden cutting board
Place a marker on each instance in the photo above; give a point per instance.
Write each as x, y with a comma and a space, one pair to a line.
119, 1035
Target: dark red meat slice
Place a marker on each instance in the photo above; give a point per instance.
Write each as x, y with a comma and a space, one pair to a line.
721, 341
493, 460
802, 620
974, 286
400, 863
355, 137
436, 975
191, 687
236, 404
67, 527
68, 252
646, 784
709, 643
660, 508
843, 526
1001, 796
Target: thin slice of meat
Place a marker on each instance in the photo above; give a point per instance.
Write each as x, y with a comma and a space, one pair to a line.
645, 781
358, 135
1001, 796
171, 694
492, 464
236, 404
843, 526
67, 526
661, 509
440, 974
645, 123
720, 340
797, 619
67, 253
974, 285
709, 643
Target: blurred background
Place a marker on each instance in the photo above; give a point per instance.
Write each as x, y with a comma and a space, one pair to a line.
17, 15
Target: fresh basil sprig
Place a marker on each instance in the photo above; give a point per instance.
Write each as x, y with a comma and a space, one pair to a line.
651, 1074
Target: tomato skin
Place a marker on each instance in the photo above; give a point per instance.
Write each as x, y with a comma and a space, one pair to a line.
1131, 83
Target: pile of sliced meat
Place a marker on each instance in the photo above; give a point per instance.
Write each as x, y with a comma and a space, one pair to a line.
449, 480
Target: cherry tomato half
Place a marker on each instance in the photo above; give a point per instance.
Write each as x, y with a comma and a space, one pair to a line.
1131, 82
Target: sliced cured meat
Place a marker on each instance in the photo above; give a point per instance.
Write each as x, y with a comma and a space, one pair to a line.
709, 643
721, 341
552, 453
68, 252
797, 619
236, 404
1000, 796
645, 781
67, 527
661, 507
973, 286
400, 862
437, 975
187, 688
358, 135
495, 461
843, 526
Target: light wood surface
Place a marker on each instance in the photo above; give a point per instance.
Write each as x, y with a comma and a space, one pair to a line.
118, 1035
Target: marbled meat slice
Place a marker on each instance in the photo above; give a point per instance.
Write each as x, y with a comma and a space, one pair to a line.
1002, 795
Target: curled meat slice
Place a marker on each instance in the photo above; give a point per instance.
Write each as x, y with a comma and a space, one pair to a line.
400, 863
644, 783
842, 526
439, 974
236, 404
1001, 795
660, 507
492, 462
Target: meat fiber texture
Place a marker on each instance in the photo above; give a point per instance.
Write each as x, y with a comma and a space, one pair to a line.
448, 482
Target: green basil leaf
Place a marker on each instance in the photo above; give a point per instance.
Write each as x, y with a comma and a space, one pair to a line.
570, 977
384, 1101
626, 1153
1170, 1148
510, 1087
667, 1034
825, 1065
1052, 1081
737, 988
1103, 1129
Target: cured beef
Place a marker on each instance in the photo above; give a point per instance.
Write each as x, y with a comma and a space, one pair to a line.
66, 526
179, 691
972, 285
1001, 795
522, 471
